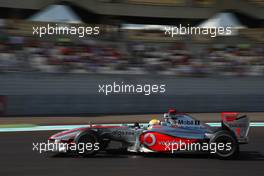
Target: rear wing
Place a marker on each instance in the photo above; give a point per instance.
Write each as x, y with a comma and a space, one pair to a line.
239, 125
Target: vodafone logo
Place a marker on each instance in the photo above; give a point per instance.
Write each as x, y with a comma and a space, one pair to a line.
149, 139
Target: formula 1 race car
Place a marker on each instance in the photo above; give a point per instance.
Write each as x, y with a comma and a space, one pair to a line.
176, 132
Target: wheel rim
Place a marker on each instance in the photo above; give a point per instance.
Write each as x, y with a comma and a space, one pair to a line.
85, 140
225, 140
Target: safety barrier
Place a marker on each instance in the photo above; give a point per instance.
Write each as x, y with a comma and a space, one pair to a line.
74, 94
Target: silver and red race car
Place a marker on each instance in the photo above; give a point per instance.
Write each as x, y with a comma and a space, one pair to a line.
175, 133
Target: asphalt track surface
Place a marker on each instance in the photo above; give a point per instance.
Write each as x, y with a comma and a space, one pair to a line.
17, 158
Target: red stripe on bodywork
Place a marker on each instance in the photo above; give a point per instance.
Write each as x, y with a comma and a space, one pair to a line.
160, 142
83, 129
229, 116
238, 131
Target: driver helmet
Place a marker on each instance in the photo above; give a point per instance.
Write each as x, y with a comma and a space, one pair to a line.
154, 122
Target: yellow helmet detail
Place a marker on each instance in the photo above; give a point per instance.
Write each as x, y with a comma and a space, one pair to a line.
154, 122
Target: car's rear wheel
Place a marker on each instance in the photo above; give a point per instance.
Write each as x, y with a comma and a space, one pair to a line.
226, 145
88, 144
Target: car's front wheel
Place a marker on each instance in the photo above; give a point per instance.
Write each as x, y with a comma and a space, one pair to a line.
88, 144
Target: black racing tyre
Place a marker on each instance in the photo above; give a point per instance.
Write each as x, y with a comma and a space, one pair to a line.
104, 144
228, 140
88, 144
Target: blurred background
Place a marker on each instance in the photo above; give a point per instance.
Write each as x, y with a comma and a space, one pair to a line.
59, 74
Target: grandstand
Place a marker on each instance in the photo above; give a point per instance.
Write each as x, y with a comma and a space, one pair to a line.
139, 50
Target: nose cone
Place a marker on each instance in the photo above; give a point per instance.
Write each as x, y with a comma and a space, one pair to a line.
67, 132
